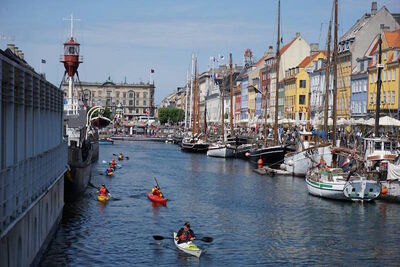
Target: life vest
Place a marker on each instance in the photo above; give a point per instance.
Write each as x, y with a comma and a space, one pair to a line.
183, 236
156, 192
103, 191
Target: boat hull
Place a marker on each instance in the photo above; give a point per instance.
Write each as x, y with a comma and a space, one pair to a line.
157, 199
361, 189
272, 156
298, 163
77, 178
194, 147
188, 247
326, 189
222, 151
393, 191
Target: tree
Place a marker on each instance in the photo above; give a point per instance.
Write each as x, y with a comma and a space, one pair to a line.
174, 115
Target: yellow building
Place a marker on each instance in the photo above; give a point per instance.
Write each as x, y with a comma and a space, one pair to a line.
297, 88
389, 74
343, 85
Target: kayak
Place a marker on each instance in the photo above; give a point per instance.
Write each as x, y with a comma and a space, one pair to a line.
110, 173
157, 198
188, 247
102, 199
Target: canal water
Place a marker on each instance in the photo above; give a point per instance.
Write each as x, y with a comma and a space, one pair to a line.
255, 220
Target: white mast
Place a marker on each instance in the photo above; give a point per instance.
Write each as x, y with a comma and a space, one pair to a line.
186, 101
191, 93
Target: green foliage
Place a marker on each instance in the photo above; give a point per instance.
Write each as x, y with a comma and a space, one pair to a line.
173, 115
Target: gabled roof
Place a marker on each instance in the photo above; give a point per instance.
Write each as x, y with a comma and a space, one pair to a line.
393, 38
286, 47
306, 61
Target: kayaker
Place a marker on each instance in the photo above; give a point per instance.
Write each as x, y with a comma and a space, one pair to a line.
110, 169
120, 157
185, 234
104, 191
113, 162
156, 191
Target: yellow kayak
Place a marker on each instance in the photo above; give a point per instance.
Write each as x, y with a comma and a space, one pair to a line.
110, 173
102, 198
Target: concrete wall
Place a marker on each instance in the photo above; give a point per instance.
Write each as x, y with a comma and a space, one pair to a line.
29, 237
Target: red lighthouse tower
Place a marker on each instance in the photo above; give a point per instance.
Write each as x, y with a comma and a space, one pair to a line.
71, 62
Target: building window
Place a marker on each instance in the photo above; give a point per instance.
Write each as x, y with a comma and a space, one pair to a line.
302, 84
117, 94
124, 94
137, 111
389, 74
130, 102
130, 94
371, 98
384, 75
384, 97
302, 99
108, 93
99, 93
393, 97
393, 75
124, 101
144, 102
137, 102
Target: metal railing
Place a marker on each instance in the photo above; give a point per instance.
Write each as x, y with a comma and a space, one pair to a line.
23, 183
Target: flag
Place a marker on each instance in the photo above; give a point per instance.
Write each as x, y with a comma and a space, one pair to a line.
43, 61
152, 70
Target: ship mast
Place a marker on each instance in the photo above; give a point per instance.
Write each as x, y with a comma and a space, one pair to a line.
231, 93
327, 74
194, 100
378, 87
335, 49
277, 74
222, 108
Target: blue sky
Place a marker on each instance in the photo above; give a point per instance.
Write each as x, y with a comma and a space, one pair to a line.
128, 38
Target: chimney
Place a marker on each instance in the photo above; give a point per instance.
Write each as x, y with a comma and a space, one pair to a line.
314, 48
297, 34
11, 47
374, 8
15, 51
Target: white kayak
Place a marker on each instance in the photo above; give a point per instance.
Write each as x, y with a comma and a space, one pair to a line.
188, 247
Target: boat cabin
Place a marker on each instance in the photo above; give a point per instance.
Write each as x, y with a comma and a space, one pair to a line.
379, 149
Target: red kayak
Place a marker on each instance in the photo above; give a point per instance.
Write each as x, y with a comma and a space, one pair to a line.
157, 198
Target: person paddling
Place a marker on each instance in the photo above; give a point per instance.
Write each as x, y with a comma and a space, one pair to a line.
185, 234
156, 191
103, 191
113, 163
120, 157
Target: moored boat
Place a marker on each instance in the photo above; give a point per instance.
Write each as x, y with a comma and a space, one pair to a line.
188, 247
326, 183
106, 141
221, 151
360, 189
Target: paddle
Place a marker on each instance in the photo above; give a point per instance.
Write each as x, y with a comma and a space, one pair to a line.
158, 186
207, 239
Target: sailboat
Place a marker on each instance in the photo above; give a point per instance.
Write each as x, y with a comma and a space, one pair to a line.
332, 182
272, 156
222, 149
193, 142
308, 154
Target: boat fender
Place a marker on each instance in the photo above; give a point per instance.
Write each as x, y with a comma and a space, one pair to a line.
290, 162
283, 166
260, 163
384, 190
